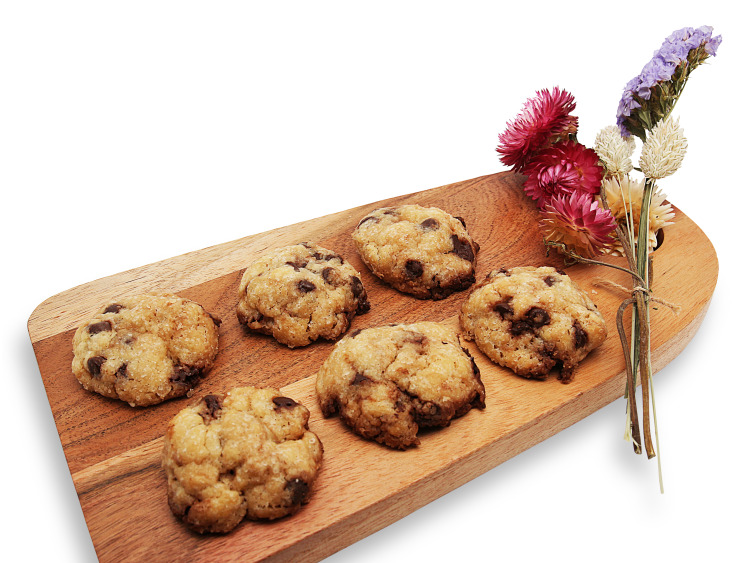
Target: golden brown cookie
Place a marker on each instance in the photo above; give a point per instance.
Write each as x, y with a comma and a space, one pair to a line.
387, 382
532, 320
247, 454
300, 293
145, 349
422, 251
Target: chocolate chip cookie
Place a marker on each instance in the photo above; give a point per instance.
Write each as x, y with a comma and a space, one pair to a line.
300, 293
145, 349
532, 320
387, 382
422, 251
247, 454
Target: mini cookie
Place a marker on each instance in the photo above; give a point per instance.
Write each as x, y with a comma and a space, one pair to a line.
246, 454
387, 382
532, 319
300, 293
145, 349
422, 251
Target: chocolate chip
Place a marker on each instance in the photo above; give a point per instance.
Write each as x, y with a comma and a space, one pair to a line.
213, 407
298, 490
550, 280
297, 264
462, 248
368, 218
94, 365
333, 256
504, 308
213, 402
414, 268
113, 308
533, 319
430, 224
185, 375
329, 275
246, 319
461, 220
360, 378
458, 283
520, 326
474, 368
305, 286
122, 371
358, 290
440, 292
417, 338
537, 317
284, 402
580, 336
101, 326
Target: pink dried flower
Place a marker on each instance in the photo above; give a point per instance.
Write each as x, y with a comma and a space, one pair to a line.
576, 222
543, 120
564, 168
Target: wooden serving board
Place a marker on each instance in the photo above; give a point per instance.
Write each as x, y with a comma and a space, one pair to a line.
113, 449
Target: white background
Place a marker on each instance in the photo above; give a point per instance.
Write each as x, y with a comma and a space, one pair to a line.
132, 132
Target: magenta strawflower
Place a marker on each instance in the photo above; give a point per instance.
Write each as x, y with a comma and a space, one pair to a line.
564, 168
543, 120
577, 223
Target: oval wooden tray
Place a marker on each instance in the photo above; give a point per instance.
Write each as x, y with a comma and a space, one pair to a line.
113, 450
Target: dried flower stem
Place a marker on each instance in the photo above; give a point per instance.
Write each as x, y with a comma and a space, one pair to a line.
635, 433
638, 356
642, 298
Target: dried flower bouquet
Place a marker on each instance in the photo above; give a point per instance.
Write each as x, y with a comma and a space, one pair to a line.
591, 204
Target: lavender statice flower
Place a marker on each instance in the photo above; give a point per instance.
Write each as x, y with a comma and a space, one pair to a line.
650, 96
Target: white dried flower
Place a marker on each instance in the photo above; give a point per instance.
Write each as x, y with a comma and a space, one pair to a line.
614, 150
663, 150
625, 199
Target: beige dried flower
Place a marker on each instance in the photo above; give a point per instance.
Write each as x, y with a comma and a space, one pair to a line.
625, 197
614, 151
663, 150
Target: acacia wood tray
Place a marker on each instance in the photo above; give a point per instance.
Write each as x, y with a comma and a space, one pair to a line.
113, 449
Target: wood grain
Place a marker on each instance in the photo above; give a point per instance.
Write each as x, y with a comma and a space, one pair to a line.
113, 450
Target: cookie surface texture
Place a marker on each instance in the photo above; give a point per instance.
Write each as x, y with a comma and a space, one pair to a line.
145, 349
387, 382
532, 320
422, 251
247, 454
300, 293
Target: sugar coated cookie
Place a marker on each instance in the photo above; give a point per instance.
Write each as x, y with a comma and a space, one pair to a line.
300, 293
246, 454
145, 349
532, 320
387, 382
422, 251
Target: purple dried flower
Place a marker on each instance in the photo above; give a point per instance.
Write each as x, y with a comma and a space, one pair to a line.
651, 95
